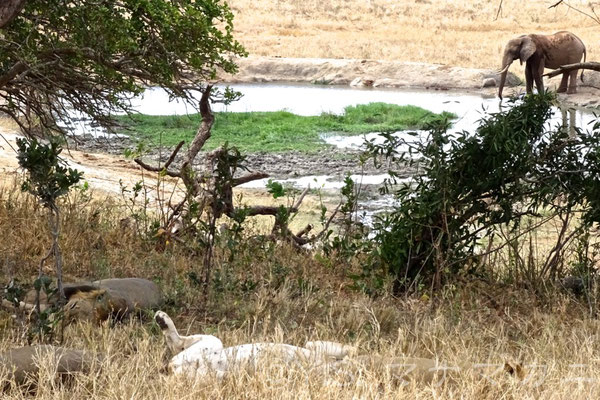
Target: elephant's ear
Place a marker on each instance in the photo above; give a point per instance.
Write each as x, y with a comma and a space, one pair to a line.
527, 49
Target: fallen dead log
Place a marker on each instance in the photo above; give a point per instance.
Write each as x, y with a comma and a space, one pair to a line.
591, 65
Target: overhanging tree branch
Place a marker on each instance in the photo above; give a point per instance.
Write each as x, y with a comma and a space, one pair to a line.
91, 58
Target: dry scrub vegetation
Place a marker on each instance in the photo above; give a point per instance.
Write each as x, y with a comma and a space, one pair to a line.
459, 33
269, 293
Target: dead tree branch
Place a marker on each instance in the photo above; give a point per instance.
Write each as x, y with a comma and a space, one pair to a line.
249, 178
499, 10
591, 65
594, 17
156, 169
173, 155
202, 135
211, 188
556, 4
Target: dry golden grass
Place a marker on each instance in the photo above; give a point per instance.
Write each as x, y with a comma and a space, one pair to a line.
559, 349
460, 33
279, 294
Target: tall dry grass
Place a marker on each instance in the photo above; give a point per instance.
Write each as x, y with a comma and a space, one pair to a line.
278, 294
558, 349
460, 33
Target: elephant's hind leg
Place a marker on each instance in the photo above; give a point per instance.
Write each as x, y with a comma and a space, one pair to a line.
563, 83
572, 82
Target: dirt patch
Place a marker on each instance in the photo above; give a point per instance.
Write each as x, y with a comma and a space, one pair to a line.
375, 73
332, 161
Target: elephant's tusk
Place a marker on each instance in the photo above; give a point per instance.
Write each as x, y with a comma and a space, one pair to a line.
504, 69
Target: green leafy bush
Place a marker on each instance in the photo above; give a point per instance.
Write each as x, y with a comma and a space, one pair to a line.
514, 166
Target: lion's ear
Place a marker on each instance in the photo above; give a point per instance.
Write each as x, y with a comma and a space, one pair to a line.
515, 370
100, 295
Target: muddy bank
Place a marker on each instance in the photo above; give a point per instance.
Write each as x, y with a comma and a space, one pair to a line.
395, 74
332, 161
375, 73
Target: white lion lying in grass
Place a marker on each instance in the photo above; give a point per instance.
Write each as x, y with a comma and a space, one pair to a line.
198, 356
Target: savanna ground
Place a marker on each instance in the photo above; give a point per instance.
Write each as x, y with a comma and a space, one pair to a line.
266, 292
275, 293
457, 33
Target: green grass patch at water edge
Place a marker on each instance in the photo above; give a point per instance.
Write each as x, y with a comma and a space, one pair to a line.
281, 130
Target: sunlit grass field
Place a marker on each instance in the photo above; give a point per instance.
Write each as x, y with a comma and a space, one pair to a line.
262, 292
458, 33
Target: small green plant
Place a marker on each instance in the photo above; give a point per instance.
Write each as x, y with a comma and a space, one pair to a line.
50, 318
275, 188
48, 178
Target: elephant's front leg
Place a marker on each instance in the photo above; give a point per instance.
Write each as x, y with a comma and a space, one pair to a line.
538, 71
563, 83
528, 78
572, 82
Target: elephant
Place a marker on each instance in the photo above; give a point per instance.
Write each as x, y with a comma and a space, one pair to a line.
544, 51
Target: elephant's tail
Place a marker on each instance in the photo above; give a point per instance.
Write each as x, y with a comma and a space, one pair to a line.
584, 57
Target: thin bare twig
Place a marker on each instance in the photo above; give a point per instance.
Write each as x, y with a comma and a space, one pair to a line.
301, 198
592, 17
556, 4
156, 169
499, 10
173, 155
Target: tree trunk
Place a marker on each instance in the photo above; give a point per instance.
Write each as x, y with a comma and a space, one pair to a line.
9, 9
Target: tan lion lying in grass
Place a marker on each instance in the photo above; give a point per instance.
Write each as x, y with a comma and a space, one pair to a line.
198, 356
21, 366
100, 300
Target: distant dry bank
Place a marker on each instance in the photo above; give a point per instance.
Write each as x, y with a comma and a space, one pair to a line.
452, 32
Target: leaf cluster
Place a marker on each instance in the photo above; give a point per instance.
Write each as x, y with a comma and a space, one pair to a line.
48, 176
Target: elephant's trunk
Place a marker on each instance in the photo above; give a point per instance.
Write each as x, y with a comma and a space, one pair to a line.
506, 61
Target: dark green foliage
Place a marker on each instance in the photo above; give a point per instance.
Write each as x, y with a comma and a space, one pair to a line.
48, 177
275, 188
50, 319
13, 292
92, 55
513, 167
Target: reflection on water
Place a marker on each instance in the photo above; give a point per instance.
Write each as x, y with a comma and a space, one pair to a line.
306, 99
321, 181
